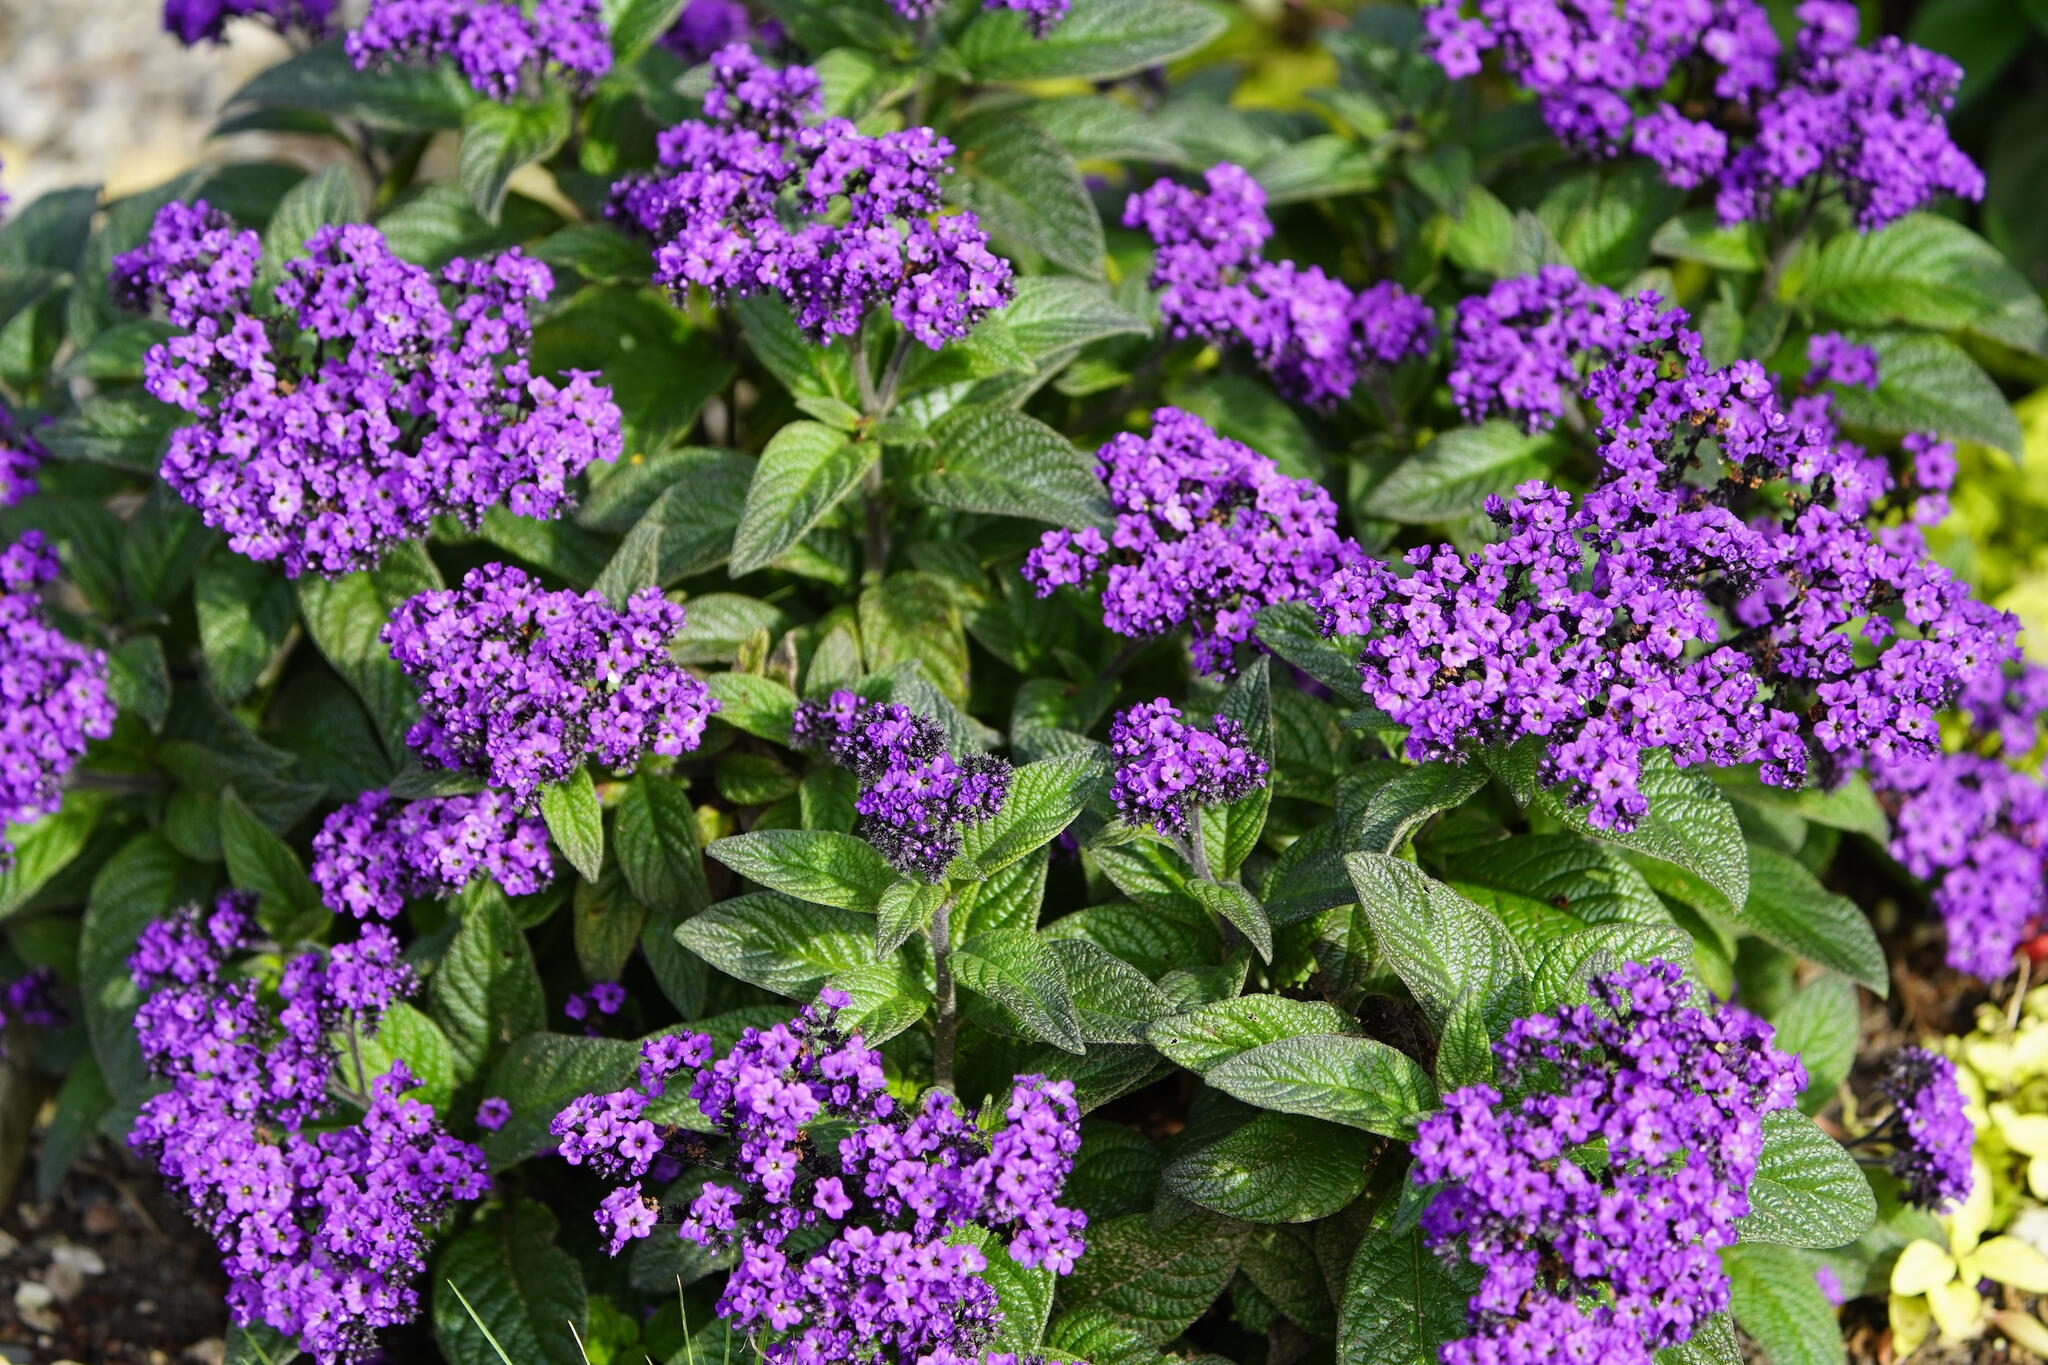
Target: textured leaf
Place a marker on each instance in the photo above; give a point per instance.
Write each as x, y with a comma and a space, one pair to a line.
323, 199
539, 1076
1099, 41
905, 909
1209, 1035
486, 992
1155, 1280
575, 822
687, 529
1289, 630
1232, 903
1821, 1026
1713, 1343
1689, 823
634, 25
912, 618
1278, 1168
1543, 885
1358, 1082
1054, 313
778, 942
1000, 461
760, 706
264, 865
246, 613
1570, 962
145, 880
1231, 831
1400, 807
1808, 1191
1929, 383
655, 837
399, 97
1113, 1001
1775, 1300
404, 1034
497, 139
1026, 190
811, 864
1921, 271
1788, 907
47, 846
1440, 944
1451, 477
526, 1291
805, 470
1020, 971
1045, 797
346, 616
1402, 1302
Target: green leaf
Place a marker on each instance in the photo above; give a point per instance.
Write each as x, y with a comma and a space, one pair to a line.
1056, 313
404, 1034
526, 1292
1698, 235
1452, 475
45, 847
323, 78
433, 223
634, 25
1402, 1302
139, 680
1289, 630
1155, 1280
654, 835
1713, 1343
687, 529
1929, 383
146, 879
1230, 832
1401, 806
661, 368
778, 942
1019, 970
1277, 1168
804, 472
1026, 190
608, 921
1545, 885
1209, 1035
486, 993
1000, 461
540, 1075
1358, 1082
1231, 902
575, 822
760, 706
1099, 41
1920, 271
246, 614
323, 199
912, 618
1689, 823
1044, 798
264, 865
1808, 1191
1569, 963
906, 908
1113, 1000
259, 1344
1821, 1025
816, 865
1440, 944
1776, 1300
1024, 1294
497, 139
1788, 907
346, 617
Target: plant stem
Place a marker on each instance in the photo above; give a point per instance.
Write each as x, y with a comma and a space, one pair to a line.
1782, 257
875, 518
892, 375
863, 376
1197, 856
946, 1027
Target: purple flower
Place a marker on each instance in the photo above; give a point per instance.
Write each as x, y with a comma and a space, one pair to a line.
916, 799
1042, 16
323, 1222
374, 398
1865, 120
1595, 626
500, 49
1832, 358
30, 1002
1613, 1260
205, 21
1308, 331
1207, 533
20, 453
376, 852
519, 685
1167, 769
880, 1273
705, 26
1933, 1136
836, 222
53, 690
494, 1113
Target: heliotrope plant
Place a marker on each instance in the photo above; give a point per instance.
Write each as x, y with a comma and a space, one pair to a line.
952, 681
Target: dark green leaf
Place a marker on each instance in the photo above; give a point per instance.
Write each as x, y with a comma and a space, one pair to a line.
1156, 1281
246, 613
576, 822
778, 942
486, 992
905, 910
1003, 462
524, 1290
1929, 383
804, 472
1808, 1191
1776, 1300
1278, 1168
1101, 40
1020, 971
540, 1075
1440, 944
264, 865
1689, 823
1451, 477
346, 617
816, 865
1358, 1082
1044, 798
1210, 1035
1026, 190
323, 199
1788, 907
1241, 908
497, 139
1402, 1302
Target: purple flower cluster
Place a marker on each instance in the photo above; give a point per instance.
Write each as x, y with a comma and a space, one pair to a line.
30, 1002
706, 26
881, 1273
376, 852
322, 1224
1974, 826
1042, 16
1866, 120
1207, 532
1168, 769
519, 685
369, 402
604, 998
1311, 333
20, 453
755, 199
206, 21
1518, 345
1933, 1136
916, 799
1598, 626
1615, 1260
503, 51
1832, 358
53, 690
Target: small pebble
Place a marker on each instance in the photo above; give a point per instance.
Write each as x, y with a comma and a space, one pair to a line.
211, 1351
33, 1302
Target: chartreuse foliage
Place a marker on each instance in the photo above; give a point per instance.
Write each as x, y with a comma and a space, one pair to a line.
1256, 1009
